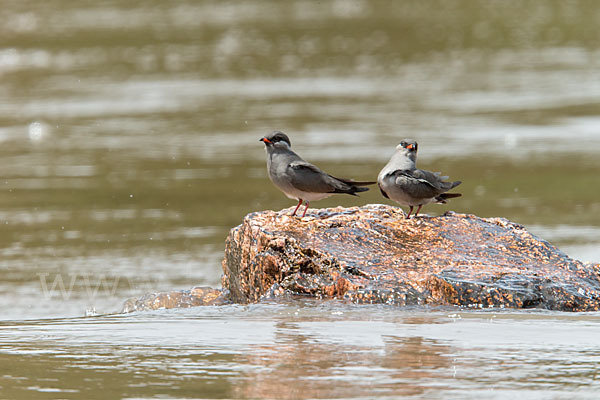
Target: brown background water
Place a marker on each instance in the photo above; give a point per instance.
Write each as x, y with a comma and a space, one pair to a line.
129, 147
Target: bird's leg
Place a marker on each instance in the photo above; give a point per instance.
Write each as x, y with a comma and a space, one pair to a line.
409, 212
418, 209
298, 206
305, 208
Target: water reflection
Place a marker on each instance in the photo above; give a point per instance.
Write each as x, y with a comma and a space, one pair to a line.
302, 366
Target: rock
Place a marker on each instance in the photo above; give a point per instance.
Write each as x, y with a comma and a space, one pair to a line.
198, 296
372, 254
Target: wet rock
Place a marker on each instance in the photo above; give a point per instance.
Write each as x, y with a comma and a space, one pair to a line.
372, 254
198, 296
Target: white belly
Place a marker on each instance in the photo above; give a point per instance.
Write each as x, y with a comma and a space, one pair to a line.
293, 193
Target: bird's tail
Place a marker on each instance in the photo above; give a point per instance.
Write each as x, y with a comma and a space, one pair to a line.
356, 183
455, 184
443, 198
353, 190
352, 187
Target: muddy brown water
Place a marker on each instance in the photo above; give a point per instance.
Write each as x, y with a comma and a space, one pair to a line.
129, 147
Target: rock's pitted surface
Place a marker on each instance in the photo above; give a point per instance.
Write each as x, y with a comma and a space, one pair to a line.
373, 254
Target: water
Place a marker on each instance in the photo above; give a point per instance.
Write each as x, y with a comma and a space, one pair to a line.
304, 350
129, 147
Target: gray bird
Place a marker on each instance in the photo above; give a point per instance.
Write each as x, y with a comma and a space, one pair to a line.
401, 181
301, 180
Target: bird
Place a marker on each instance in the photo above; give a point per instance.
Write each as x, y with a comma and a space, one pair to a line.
401, 181
301, 180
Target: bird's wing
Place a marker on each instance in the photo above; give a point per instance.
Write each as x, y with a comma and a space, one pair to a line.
435, 180
308, 178
426, 177
416, 183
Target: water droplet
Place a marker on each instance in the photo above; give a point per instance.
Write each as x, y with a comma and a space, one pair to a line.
37, 131
91, 312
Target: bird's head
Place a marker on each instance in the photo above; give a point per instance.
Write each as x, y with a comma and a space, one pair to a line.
277, 140
409, 148
408, 144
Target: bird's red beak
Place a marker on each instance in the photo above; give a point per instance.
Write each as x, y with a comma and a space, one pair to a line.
265, 140
410, 147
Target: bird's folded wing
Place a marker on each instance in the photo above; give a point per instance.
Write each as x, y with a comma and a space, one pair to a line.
417, 176
420, 184
308, 178
437, 181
